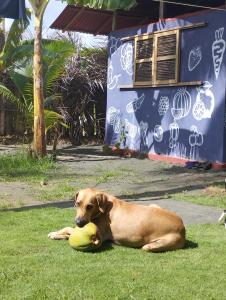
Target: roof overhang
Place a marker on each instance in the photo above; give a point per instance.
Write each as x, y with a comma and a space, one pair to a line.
96, 21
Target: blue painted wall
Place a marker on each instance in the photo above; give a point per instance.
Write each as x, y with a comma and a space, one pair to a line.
186, 122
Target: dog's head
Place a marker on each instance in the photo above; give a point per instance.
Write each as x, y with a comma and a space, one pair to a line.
90, 204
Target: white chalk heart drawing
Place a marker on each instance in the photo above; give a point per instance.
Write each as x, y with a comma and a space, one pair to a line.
195, 57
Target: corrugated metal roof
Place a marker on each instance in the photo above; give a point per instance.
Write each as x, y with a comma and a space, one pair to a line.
94, 21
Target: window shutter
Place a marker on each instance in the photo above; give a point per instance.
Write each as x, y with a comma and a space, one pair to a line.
144, 58
167, 57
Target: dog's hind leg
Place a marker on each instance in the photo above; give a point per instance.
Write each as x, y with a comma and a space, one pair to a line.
168, 242
62, 234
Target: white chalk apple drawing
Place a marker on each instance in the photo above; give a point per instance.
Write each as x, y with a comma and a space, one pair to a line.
218, 49
205, 102
134, 105
195, 57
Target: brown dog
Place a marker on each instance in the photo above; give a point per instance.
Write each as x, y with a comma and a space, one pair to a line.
151, 228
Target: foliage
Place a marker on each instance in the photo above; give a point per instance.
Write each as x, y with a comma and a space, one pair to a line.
83, 88
105, 4
34, 267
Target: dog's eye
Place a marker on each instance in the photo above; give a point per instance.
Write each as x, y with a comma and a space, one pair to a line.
89, 206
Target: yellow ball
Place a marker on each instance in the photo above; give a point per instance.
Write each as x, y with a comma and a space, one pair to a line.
85, 238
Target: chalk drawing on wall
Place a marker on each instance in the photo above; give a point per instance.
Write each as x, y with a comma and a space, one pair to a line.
143, 131
195, 140
112, 79
181, 104
174, 134
126, 58
225, 120
113, 44
130, 129
163, 105
158, 133
195, 57
156, 94
205, 102
218, 49
134, 105
113, 118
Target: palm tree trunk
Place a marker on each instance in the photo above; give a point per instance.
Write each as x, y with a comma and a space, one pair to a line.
39, 121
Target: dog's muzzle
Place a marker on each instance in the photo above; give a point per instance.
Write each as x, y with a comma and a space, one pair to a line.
80, 222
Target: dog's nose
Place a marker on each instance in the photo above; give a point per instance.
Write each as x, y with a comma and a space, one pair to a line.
80, 222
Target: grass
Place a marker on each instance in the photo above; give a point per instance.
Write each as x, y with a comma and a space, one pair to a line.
20, 166
34, 267
214, 195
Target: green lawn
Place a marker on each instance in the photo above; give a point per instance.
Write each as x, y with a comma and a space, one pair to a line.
34, 267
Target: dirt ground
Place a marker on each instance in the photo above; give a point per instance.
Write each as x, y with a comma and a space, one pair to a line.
133, 179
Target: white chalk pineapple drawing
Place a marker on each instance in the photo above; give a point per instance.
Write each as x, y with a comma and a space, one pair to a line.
218, 49
195, 56
134, 105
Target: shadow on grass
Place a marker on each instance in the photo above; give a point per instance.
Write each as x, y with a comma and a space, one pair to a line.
190, 245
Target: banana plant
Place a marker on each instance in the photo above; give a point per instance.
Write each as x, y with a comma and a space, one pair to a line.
105, 4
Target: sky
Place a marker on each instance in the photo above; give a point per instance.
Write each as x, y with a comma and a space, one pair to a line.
53, 10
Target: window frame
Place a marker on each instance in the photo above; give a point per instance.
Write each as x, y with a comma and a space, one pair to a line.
154, 58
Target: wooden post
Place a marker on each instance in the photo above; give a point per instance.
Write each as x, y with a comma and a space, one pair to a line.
113, 27
2, 102
161, 9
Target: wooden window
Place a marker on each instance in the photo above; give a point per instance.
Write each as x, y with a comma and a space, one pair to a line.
157, 58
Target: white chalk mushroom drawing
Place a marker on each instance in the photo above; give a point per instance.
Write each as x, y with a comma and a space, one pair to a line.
163, 105
204, 104
195, 57
130, 129
114, 43
134, 105
195, 141
112, 79
218, 49
181, 104
174, 134
143, 131
127, 58
113, 118
158, 133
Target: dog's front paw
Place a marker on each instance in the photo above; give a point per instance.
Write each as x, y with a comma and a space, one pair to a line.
53, 235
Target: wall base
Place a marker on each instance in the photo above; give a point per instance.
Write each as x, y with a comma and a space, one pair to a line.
166, 158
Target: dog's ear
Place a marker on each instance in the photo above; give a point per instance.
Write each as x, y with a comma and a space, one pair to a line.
102, 201
76, 196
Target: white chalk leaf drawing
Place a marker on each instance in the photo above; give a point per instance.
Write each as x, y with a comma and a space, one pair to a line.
195, 57
174, 134
195, 140
163, 105
112, 79
113, 118
218, 49
126, 58
113, 44
134, 105
205, 102
143, 131
130, 129
181, 104
158, 133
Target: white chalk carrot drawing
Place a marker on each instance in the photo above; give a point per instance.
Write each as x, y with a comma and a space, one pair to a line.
126, 58
195, 140
195, 57
205, 102
158, 133
112, 79
163, 105
181, 104
218, 49
134, 105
